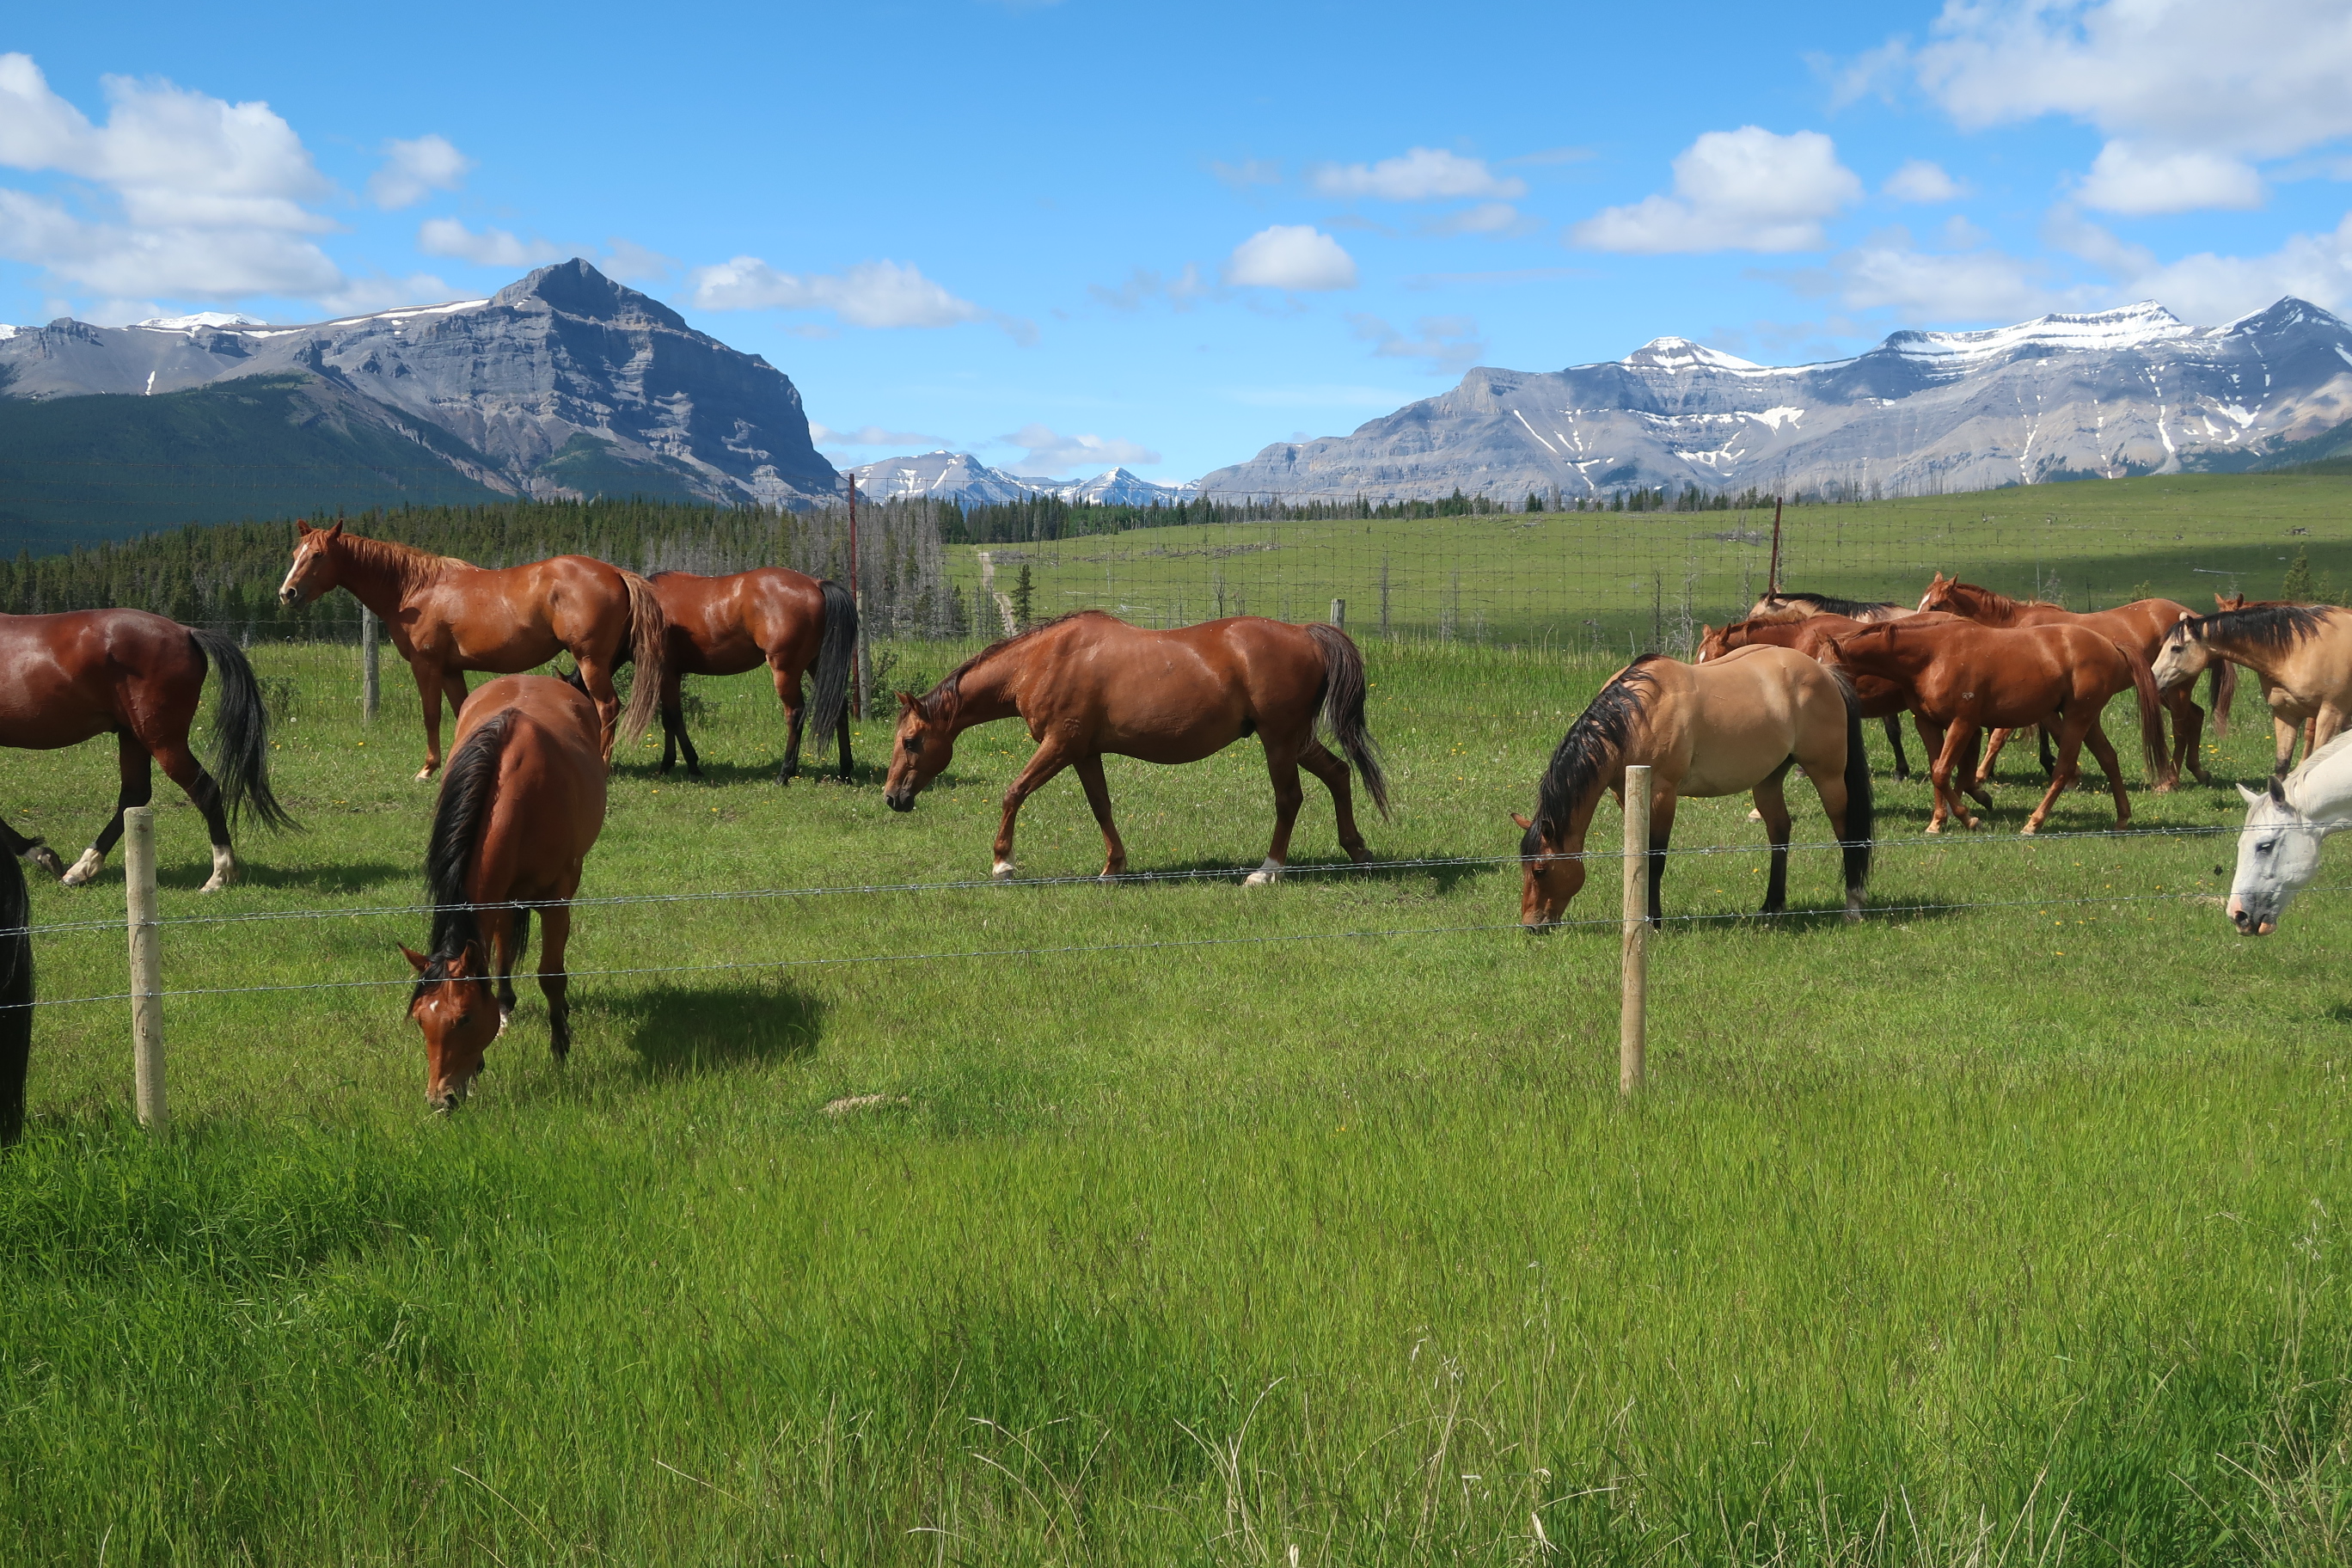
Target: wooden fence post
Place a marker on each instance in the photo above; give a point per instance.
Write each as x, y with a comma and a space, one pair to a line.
1339, 614
146, 964
371, 688
1632, 1022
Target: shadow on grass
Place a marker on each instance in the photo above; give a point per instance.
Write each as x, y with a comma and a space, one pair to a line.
682, 1030
825, 775
358, 877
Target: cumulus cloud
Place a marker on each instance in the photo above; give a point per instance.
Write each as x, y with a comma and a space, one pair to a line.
1921, 181
875, 435
632, 263
1444, 344
870, 294
1929, 288
379, 291
1734, 190
1423, 175
414, 170
1045, 451
1296, 257
2210, 289
490, 248
2131, 179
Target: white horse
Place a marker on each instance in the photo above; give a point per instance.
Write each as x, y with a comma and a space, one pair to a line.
2278, 850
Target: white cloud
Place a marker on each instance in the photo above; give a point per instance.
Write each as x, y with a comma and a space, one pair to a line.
1445, 345
2210, 289
1423, 175
1921, 181
1249, 171
359, 296
1046, 452
2128, 178
875, 436
1929, 289
632, 263
414, 170
491, 247
1499, 220
870, 294
1734, 190
1297, 256
1143, 283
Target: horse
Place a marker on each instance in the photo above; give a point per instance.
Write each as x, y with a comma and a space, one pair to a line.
447, 616
1733, 724
2140, 625
2278, 849
2302, 654
519, 808
1808, 633
1088, 684
16, 997
725, 625
1968, 677
138, 677
1776, 608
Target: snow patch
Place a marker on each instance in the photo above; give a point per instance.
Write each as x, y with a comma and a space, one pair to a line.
201, 318
2131, 327
1776, 418
1681, 354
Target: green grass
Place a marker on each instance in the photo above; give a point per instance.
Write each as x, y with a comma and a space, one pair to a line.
2003, 1235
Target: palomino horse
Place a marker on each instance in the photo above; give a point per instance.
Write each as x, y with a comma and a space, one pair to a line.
519, 809
447, 616
725, 625
1090, 684
2302, 654
1969, 677
138, 677
2278, 849
1733, 724
2139, 626
16, 997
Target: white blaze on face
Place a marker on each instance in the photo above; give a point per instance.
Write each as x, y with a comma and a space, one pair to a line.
285, 588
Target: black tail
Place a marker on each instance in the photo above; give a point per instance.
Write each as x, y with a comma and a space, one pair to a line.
1343, 707
469, 786
240, 734
2224, 696
831, 699
1860, 806
16, 997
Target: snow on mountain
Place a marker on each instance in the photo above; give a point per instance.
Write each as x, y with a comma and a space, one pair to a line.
200, 318
960, 477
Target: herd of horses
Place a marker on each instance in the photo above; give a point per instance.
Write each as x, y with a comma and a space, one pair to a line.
522, 797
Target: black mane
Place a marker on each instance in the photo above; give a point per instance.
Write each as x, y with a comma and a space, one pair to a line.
1594, 742
2273, 626
1830, 605
952, 681
468, 789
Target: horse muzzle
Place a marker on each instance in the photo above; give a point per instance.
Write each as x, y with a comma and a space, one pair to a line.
900, 799
2248, 923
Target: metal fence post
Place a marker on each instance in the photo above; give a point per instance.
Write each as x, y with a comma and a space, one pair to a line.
370, 687
146, 964
1632, 1022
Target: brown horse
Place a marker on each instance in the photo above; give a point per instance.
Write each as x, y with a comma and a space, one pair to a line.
725, 625
1089, 684
1733, 724
447, 616
138, 677
519, 809
1791, 608
1969, 677
2302, 654
2139, 626
1809, 634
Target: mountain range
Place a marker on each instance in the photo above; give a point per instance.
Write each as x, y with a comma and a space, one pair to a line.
960, 477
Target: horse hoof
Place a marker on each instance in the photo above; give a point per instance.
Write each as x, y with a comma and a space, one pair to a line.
44, 857
1002, 871
84, 869
1754, 814
423, 775
1266, 875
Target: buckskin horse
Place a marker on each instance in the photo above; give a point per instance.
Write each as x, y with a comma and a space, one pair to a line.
2302, 654
1732, 725
521, 806
138, 677
447, 616
1808, 633
1090, 684
1969, 677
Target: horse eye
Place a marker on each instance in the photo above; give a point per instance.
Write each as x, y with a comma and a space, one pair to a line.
2266, 845
914, 746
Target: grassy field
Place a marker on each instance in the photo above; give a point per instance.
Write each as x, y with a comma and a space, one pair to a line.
2007, 1234
1589, 580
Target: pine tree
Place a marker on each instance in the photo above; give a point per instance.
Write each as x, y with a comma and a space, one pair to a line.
1022, 596
2297, 589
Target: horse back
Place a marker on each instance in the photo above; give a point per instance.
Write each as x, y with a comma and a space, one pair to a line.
1722, 727
86, 672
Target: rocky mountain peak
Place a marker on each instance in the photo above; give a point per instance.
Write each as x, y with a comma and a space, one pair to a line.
574, 287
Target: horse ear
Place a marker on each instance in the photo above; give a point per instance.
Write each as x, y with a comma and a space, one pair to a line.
1523, 822
2277, 792
2251, 796
337, 531
907, 701
417, 961
2188, 615
302, 526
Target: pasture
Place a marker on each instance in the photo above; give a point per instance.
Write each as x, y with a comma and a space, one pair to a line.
1998, 1234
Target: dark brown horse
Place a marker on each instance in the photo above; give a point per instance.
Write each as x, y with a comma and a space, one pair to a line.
1090, 684
447, 616
519, 809
784, 619
139, 677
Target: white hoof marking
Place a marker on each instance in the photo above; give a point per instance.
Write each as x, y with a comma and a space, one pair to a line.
224, 870
1004, 871
83, 869
1266, 875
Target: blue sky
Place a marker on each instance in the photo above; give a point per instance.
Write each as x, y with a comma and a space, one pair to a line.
1066, 235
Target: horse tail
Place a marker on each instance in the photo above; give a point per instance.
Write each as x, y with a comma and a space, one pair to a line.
2151, 714
16, 997
468, 789
2224, 694
648, 648
838, 646
1343, 707
240, 732
1861, 804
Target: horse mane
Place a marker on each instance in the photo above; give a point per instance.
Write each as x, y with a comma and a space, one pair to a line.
1777, 615
1830, 604
2276, 627
951, 683
468, 789
1998, 603
1596, 740
405, 562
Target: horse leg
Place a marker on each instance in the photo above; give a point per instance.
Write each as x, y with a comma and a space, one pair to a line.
1993, 743
2188, 738
1662, 834
430, 684
1318, 760
843, 728
2070, 750
1282, 766
597, 677
1048, 760
2286, 734
554, 934
1895, 738
2043, 731
1772, 802
1948, 803
505, 932
1091, 774
2325, 725
788, 692
2104, 751
180, 765
673, 705
33, 849
138, 789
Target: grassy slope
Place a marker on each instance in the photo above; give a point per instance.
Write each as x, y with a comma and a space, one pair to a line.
2015, 1221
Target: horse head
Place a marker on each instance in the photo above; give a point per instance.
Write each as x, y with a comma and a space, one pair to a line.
922, 747
2180, 658
2229, 602
1939, 595
454, 1005
313, 571
2278, 855
1554, 876
1713, 643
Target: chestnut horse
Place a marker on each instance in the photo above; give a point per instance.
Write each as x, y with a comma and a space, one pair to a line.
788, 621
1969, 677
16, 997
1808, 633
1089, 683
2139, 626
1735, 723
2302, 654
139, 677
519, 809
447, 616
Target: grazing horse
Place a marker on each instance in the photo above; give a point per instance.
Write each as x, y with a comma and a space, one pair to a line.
138, 677
16, 997
2302, 654
2278, 849
521, 806
447, 616
1733, 724
1969, 677
725, 625
2139, 626
1089, 683
1809, 634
